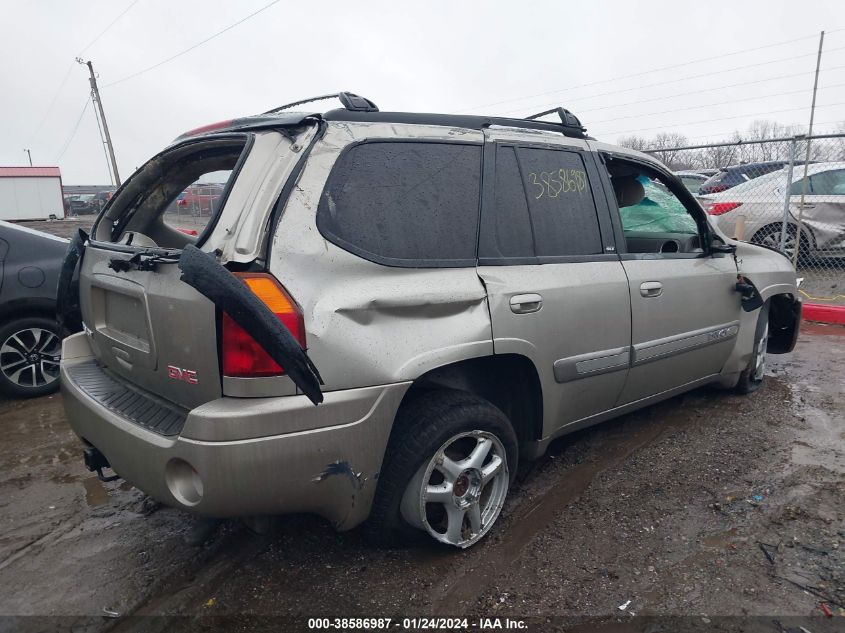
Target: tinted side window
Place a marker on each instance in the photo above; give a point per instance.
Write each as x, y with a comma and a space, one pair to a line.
405, 203
560, 198
506, 227
828, 183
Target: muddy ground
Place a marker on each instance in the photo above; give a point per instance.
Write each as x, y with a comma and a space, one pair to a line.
708, 506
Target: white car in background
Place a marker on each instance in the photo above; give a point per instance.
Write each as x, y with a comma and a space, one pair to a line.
761, 203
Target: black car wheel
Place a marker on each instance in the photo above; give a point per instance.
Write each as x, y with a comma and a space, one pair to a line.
30, 351
769, 236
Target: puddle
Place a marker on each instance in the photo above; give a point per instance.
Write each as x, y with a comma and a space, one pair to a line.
65, 479
821, 328
720, 540
95, 493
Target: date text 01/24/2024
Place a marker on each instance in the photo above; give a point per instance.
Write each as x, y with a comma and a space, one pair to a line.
462, 624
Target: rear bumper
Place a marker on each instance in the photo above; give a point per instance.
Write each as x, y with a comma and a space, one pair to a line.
248, 456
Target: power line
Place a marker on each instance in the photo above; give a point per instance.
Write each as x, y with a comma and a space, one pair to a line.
739, 116
105, 30
647, 72
190, 48
52, 103
73, 133
710, 105
103, 143
70, 69
702, 90
672, 81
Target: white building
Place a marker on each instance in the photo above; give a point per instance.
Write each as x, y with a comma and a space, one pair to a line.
30, 193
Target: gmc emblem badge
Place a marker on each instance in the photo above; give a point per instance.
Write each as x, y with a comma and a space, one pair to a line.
185, 375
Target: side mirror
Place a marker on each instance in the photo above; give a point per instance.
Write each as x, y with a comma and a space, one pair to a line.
718, 246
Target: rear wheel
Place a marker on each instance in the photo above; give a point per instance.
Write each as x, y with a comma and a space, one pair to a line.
447, 471
30, 350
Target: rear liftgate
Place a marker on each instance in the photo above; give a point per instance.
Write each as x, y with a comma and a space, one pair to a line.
203, 273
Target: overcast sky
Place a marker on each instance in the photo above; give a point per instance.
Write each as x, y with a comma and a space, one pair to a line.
596, 58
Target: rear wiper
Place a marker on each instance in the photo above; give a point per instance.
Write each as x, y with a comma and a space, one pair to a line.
143, 260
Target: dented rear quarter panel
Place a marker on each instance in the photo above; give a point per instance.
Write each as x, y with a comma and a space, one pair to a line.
370, 324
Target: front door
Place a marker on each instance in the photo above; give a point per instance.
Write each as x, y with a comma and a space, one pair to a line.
685, 310
556, 288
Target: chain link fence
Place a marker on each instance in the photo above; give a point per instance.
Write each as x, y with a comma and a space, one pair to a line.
784, 193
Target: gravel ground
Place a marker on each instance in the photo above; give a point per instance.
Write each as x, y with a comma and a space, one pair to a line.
698, 510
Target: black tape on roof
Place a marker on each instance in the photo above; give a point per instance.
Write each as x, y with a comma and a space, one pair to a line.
67, 293
202, 272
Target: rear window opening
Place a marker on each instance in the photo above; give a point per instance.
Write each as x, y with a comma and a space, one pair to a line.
176, 197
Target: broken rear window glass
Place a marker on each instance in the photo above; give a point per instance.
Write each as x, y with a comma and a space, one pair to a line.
169, 201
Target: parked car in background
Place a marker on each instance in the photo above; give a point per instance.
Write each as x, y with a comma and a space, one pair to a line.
761, 203
200, 199
445, 323
30, 341
738, 174
80, 204
692, 180
101, 198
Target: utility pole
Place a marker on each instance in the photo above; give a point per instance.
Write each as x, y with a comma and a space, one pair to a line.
30, 157
96, 94
807, 157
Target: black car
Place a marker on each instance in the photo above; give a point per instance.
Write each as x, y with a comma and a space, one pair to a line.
737, 174
30, 340
79, 205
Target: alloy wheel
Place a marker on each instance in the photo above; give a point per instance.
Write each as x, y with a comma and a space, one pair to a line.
457, 495
760, 355
30, 357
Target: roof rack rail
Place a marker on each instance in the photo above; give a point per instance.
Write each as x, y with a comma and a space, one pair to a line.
350, 101
566, 117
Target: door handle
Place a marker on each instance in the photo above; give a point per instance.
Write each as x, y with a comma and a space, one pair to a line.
523, 304
806, 205
651, 289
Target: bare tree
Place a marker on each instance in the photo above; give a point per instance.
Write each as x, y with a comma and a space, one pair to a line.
667, 144
764, 130
722, 156
638, 143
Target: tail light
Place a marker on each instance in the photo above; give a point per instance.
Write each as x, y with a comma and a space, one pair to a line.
242, 356
718, 208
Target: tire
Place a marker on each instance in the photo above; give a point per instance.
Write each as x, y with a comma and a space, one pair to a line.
770, 236
752, 377
30, 350
432, 430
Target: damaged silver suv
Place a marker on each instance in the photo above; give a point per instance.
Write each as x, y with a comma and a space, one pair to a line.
387, 310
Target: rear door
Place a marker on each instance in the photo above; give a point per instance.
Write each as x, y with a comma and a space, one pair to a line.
557, 290
823, 211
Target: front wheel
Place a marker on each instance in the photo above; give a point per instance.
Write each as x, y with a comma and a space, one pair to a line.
751, 379
447, 471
